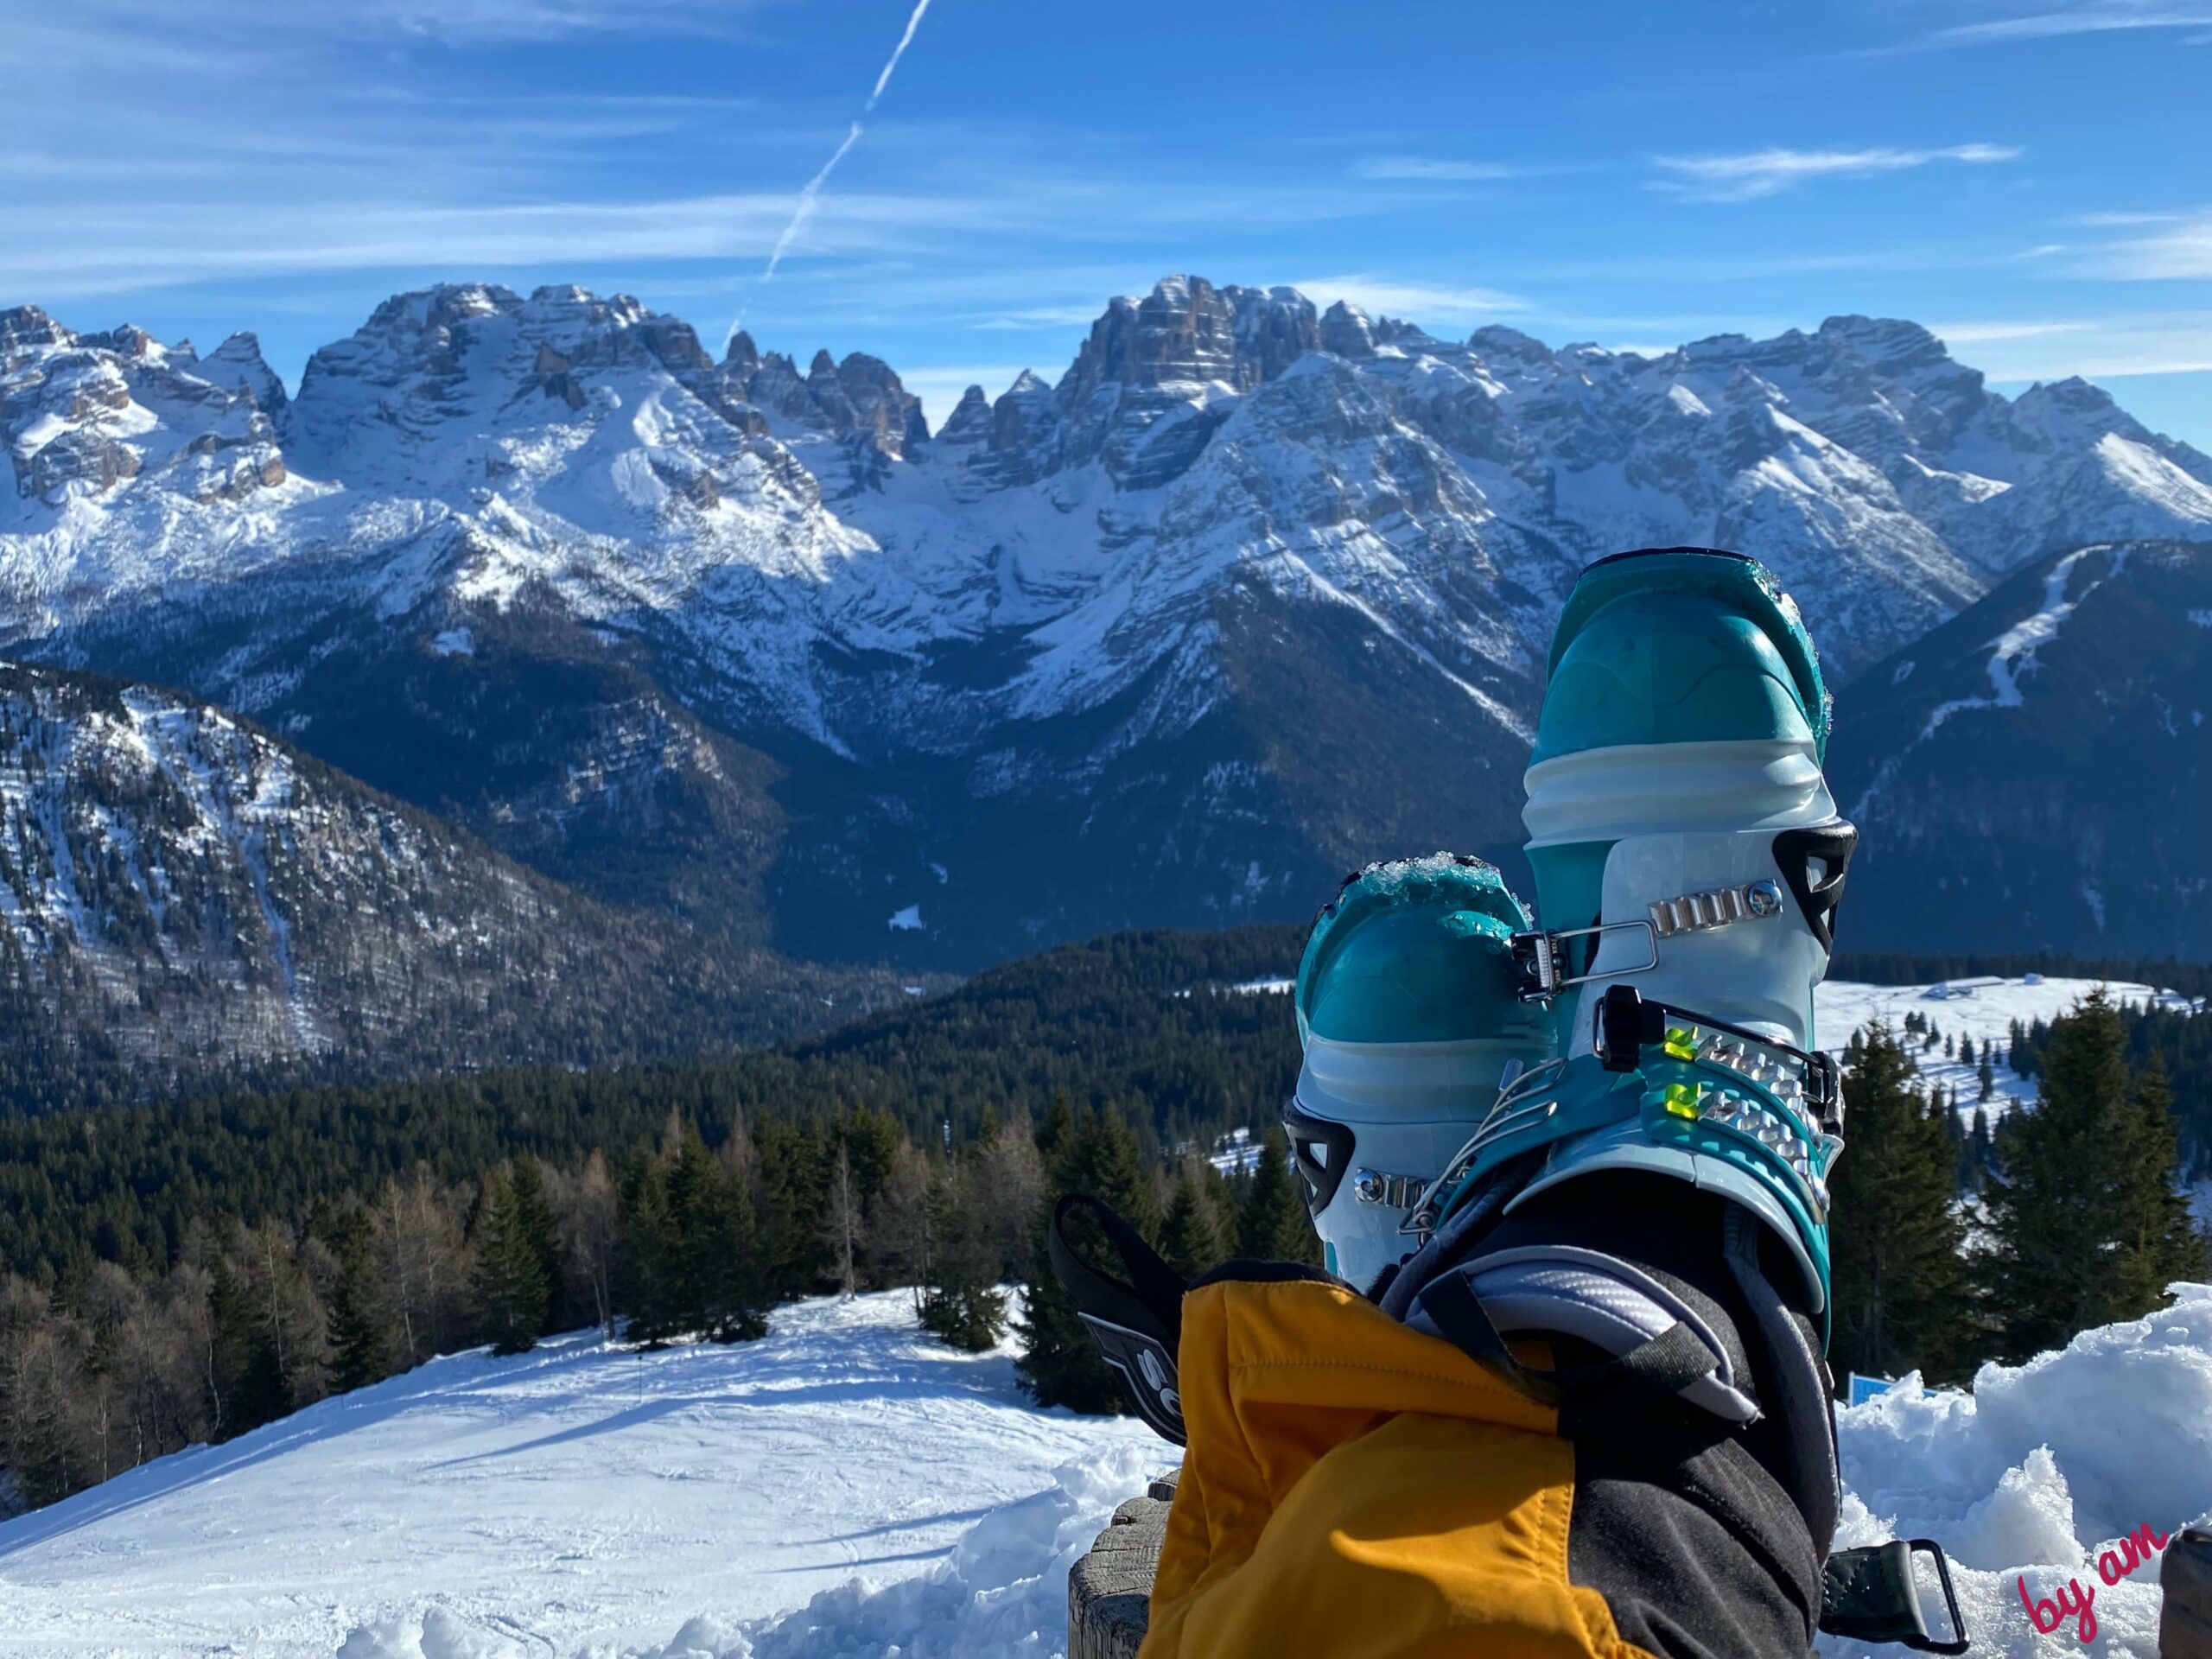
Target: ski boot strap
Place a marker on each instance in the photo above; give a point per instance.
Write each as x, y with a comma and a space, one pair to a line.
1137, 1321
1661, 1341
1628, 1024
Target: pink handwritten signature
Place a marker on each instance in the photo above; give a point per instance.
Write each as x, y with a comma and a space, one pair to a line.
2048, 1613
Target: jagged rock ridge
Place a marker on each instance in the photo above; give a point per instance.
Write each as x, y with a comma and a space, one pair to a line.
1116, 649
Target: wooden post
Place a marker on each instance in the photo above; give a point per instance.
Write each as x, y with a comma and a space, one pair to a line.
2185, 1626
1110, 1590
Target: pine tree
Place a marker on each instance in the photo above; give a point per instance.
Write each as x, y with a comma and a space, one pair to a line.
2071, 1192
1095, 1153
713, 1215
2160, 1243
1900, 1294
511, 1286
537, 1234
960, 1301
1058, 1126
360, 1335
1966, 1169
1272, 1223
1190, 1238
252, 1369
649, 1259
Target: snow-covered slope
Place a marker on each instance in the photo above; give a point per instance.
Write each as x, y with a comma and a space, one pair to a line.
1151, 615
1973, 1009
579, 1498
844, 1488
2036, 774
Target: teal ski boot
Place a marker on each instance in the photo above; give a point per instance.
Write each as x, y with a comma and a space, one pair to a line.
1688, 858
1410, 1020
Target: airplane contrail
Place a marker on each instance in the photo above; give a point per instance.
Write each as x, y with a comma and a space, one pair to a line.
804, 210
897, 52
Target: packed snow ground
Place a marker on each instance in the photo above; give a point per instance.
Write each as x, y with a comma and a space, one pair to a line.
580, 1499
846, 1489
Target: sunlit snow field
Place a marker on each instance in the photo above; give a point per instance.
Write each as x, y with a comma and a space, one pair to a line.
577, 1499
843, 1487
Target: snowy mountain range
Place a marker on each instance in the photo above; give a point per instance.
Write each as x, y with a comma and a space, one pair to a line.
1251, 593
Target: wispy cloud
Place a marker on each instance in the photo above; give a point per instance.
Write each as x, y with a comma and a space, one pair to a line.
2054, 25
2109, 219
1438, 170
74, 253
2152, 342
1974, 334
117, 24
2182, 253
1039, 316
1417, 302
1760, 172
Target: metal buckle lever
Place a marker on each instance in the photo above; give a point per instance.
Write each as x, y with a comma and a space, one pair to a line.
1958, 1642
1869, 1594
1539, 963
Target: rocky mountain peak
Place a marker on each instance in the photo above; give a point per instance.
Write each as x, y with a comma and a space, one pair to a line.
438, 307
238, 362
1169, 360
1891, 341
83, 414
1274, 326
970, 422
1346, 331
1509, 348
884, 414
28, 326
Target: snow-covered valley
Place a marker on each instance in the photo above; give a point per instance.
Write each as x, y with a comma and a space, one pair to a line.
846, 1488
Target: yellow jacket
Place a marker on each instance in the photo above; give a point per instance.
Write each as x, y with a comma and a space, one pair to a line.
1356, 1490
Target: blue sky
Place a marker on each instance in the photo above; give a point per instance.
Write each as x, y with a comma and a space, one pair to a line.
2027, 178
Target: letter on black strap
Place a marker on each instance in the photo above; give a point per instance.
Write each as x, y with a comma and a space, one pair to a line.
1137, 1322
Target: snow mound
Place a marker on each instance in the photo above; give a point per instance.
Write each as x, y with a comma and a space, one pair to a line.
1003, 1595
2042, 1467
